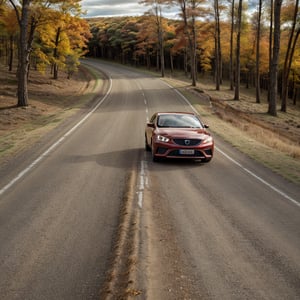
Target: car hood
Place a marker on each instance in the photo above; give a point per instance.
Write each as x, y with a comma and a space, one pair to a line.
191, 133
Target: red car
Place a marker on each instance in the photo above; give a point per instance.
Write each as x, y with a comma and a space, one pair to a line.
178, 135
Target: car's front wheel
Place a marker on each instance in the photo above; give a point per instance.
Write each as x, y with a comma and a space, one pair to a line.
147, 147
154, 157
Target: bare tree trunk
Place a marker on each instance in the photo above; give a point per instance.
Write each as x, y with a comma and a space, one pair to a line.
194, 53
55, 53
23, 55
24, 48
185, 62
160, 36
275, 57
162, 53
217, 45
257, 79
270, 42
238, 42
231, 48
288, 58
190, 33
171, 62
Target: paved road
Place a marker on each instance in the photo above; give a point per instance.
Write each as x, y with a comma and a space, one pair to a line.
229, 229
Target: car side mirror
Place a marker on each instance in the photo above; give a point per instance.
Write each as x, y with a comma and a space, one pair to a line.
206, 126
151, 125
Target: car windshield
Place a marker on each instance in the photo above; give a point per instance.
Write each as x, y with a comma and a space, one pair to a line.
178, 121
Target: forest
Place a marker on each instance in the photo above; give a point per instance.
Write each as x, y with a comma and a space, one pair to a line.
255, 43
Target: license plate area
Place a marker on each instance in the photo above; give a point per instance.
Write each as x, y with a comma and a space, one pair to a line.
187, 151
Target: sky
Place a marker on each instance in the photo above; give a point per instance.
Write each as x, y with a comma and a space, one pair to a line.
110, 8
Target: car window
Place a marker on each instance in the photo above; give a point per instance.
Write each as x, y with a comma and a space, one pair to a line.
179, 121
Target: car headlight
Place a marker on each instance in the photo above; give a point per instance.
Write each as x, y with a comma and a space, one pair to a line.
207, 140
161, 138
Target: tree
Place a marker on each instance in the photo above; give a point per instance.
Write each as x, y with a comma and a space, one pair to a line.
30, 14
275, 58
238, 51
190, 10
231, 68
25, 42
8, 19
146, 39
294, 34
156, 11
270, 42
258, 31
218, 56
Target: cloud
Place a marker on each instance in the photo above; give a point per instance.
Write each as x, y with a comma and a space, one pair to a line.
111, 8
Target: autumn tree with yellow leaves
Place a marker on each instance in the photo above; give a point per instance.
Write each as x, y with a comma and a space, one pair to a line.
34, 19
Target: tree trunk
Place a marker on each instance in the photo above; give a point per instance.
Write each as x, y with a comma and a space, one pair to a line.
190, 33
270, 42
23, 56
217, 45
238, 42
289, 58
231, 48
185, 62
171, 62
55, 54
275, 57
257, 77
193, 46
162, 54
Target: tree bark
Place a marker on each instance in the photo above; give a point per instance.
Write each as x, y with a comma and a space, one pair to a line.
217, 45
23, 56
257, 79
55, 54
270, 42
289, 58
231, 48
275, 58
238, 43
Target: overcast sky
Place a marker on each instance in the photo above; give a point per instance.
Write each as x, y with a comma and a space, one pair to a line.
109, 8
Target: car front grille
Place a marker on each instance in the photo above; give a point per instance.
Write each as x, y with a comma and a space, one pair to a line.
187, 142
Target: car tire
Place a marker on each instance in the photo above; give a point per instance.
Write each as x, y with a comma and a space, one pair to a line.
147, 147
154, 157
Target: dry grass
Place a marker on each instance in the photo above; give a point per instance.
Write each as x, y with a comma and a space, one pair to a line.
273, 141
50, 102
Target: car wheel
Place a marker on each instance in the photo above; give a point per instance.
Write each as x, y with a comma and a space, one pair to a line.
154, 157
147, 147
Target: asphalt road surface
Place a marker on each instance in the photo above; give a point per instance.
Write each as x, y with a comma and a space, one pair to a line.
88, 215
